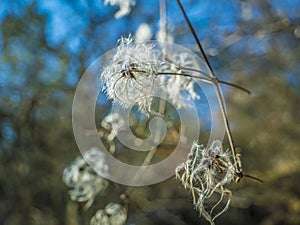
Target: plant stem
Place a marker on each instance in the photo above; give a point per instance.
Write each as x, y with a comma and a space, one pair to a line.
150, 155
207, 75
80, 214
227, 128
207, 80
194, 34
217, 89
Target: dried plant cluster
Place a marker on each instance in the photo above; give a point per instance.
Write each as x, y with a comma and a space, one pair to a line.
205, 173
131, 77
137, 69
113, 213
84, 183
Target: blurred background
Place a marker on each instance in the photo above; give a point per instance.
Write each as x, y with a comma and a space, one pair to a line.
45, 47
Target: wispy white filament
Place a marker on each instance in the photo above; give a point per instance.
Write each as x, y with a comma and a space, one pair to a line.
207, 171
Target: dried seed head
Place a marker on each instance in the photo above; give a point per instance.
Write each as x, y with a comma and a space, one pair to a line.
100, 218
130, 76
85, 184
205, 173
117, 213
112, 214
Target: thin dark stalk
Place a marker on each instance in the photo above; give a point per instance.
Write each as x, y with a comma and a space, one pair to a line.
195, 35
188, 68
254, 178
207, 80
195, 70
205, 74
217, 89
234, 85
228, 130
219, 81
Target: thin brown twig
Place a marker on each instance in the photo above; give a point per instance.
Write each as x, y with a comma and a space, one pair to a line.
207, 75
207, 80
194, 34
218, 92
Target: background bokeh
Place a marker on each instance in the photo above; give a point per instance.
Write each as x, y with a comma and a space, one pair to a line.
45, 47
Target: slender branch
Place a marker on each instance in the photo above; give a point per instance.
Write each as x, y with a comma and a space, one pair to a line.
235, 85
205, 74
254, 178
195, 36
228, 130
219, 81
207, 80
188, 68
195, 70
217, 89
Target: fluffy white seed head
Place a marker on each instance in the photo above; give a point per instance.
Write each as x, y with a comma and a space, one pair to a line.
117, 213
113, 214
83, 181
130, 77
100, 218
